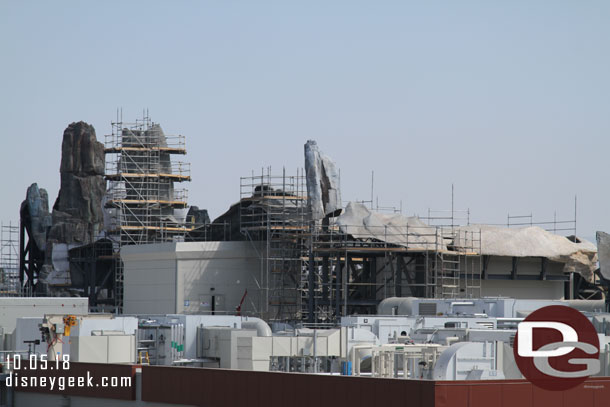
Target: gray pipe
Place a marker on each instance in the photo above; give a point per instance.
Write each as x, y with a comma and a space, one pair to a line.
586, 305
262, 329
405, 305
396, 306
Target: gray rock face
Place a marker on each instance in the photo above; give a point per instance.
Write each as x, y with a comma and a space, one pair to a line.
196, 216
81, 153
36, 206
141, 162
603, 253
77, 213
323, 193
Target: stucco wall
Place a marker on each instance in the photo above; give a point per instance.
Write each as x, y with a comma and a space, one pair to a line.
183, 277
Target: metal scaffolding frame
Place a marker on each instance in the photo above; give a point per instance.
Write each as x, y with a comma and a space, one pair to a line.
141, 197
317, 271
353, 275
274, 216
10, 285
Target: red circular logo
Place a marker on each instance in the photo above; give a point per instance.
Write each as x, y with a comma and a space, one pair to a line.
556, 348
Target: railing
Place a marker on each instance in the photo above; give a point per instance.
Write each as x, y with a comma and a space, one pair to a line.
124, 192
423, 238
141, 136
130, 169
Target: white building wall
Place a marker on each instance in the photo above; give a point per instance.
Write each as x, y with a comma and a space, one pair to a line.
12, 308
149, 278
183, 277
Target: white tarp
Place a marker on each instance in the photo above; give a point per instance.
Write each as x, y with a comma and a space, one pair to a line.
360, 222
535, 242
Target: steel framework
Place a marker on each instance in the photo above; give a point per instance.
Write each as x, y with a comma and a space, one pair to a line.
318, 271
273, 216
10, 285
141, 197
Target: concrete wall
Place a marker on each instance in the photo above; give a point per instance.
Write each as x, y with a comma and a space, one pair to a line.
12, 308
526, 266
27, 329
169, 278
498, 283
149, 278
541, 290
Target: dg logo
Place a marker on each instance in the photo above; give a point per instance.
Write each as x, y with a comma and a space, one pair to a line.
556, 348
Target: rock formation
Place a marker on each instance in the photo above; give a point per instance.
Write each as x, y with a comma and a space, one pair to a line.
77, 213
196, 216
323, 193
35, 214
36, 220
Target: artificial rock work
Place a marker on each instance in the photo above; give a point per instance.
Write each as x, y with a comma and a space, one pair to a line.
77, 213
77, 216
35, 214
323, 193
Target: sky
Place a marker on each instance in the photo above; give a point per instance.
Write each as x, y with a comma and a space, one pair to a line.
508, 101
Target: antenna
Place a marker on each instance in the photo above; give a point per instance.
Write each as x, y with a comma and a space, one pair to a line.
575, 211
372, 187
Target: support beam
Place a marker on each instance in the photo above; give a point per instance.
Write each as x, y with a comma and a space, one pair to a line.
527, 277
338, 273
311, 281
93, 282
421, 277
543, 262
22, 253
345, 286
325, 279
485, 266
513, 272
373, 278
394, 274
400, 269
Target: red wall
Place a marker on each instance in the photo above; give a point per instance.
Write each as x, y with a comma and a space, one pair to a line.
219, 388
595, 392
216, 387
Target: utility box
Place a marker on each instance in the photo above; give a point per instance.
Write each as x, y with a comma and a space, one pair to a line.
255, 353
221, 343
103, 349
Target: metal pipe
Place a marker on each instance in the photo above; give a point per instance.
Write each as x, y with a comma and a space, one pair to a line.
262, 329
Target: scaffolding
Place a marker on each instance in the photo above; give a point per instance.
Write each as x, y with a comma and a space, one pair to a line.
354, 274
10, 285
319, 271
556, 226
141, 200
274, 217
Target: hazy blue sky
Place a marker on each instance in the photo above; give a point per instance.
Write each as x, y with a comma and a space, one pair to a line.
508, 100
